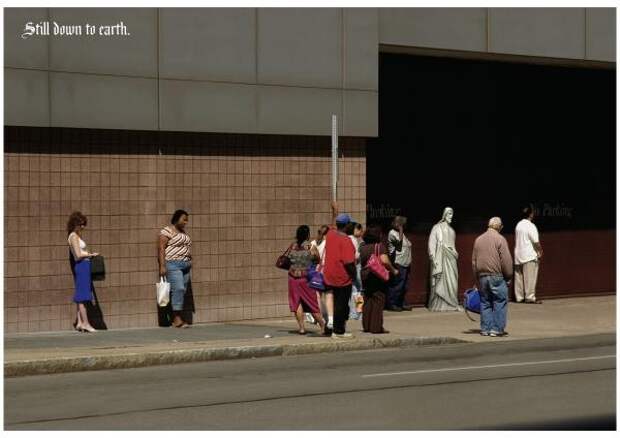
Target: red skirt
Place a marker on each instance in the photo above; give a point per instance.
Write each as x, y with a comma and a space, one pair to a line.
300, 293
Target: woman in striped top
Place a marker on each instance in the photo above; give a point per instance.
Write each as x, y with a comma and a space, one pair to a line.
175, 262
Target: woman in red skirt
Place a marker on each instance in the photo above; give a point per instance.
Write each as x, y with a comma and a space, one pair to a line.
301, 298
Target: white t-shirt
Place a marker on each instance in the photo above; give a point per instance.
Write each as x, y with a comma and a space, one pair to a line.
356, 244
82, 244
403, 257
320, 247
526, 235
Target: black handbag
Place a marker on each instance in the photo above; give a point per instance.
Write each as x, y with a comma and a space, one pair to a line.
284, 261
97, 268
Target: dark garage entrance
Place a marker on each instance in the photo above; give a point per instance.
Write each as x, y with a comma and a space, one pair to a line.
485, 138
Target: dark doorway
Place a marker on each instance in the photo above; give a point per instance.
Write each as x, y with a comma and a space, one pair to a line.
486, 138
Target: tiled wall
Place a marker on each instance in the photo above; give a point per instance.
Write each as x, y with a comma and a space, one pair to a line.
246, 194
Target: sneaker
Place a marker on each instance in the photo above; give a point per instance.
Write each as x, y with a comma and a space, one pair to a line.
342, 335
310, 319
484, 333
328, 332
407, 307
495, 334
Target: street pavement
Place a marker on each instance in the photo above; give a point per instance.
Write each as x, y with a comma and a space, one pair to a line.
553, 383
43, 353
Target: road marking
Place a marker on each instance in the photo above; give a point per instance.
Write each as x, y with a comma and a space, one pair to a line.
500, 365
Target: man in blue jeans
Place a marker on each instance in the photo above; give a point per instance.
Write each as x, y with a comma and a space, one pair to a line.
399, 249
493, 269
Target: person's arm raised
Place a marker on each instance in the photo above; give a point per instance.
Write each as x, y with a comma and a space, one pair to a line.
334, 207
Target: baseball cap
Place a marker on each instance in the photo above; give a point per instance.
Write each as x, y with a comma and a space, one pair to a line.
343, 218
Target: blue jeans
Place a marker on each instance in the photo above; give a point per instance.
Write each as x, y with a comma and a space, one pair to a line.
493, 303
397, 287
178, 275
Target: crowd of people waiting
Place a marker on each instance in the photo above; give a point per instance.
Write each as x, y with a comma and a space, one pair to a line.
353, 266
345, 273
357, 266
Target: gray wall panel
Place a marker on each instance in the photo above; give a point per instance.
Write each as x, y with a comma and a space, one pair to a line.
361, 113
26, 97
300, 47
106, 102
601, 34
361, 47
441, 28
204, 106
216, 44
31, 52
302, 111
549, 32
133, 55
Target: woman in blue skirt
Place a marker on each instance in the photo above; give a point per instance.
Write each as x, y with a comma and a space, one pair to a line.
79, 258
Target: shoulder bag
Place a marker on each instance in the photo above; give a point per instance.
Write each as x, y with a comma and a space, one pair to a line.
375, 266
284, 261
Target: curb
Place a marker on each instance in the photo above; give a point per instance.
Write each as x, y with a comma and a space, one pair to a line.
137, 360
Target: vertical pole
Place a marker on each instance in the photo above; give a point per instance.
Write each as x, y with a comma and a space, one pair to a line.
334, 156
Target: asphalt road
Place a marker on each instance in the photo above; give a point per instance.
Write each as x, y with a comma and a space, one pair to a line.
542, 384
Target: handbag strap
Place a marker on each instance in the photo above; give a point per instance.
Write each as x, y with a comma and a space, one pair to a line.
471, 319
288, 250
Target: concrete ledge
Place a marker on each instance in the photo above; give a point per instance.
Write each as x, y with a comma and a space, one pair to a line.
20, 368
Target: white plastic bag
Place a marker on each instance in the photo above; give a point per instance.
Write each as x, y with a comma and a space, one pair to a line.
162, 290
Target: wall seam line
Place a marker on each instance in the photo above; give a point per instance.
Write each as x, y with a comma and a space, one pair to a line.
256, 91
585, 33
342, 70
488, 30
158, 28
49, 74
209, 81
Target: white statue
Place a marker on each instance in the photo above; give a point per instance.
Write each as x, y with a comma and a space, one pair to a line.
444, 270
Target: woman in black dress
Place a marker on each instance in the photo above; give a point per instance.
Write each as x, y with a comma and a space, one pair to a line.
375, 289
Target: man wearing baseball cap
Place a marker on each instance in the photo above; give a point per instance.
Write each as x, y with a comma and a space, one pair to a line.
339, 269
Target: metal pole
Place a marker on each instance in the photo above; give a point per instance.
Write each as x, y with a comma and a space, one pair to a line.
334, 155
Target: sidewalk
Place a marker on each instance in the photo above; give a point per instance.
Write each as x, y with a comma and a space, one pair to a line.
44, 353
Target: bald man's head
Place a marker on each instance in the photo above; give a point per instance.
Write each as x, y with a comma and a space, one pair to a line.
496, 223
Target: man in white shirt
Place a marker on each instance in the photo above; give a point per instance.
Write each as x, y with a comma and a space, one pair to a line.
399, 250
528, 252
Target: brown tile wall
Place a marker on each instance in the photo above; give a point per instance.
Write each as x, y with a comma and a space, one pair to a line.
246, 194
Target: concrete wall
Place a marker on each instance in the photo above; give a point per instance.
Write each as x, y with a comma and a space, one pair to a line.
566, 33
266, 71
244, 209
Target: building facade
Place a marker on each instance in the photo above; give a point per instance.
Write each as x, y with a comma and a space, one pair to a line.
225, 113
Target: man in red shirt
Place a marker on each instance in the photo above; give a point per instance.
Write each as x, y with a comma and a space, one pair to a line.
339, 270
